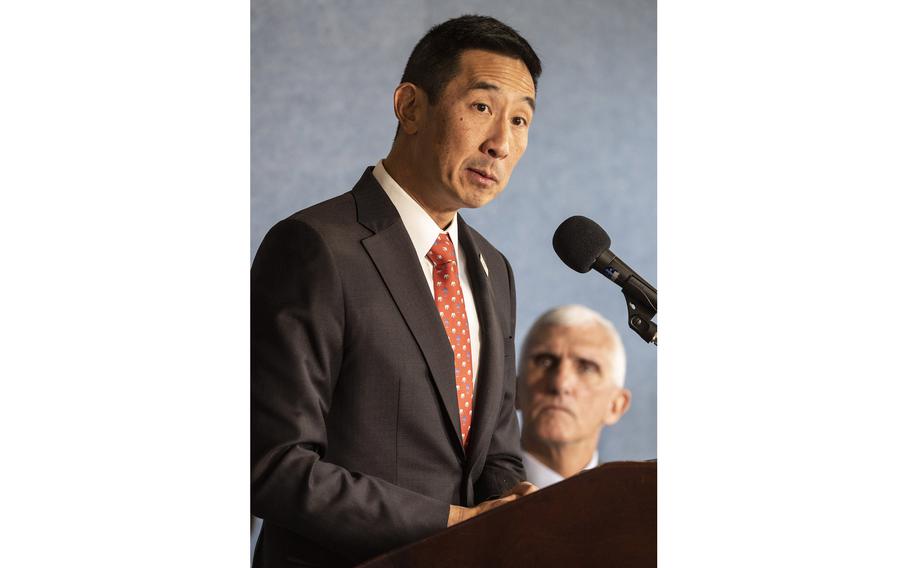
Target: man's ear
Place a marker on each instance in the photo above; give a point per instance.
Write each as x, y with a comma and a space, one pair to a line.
617, 406
410, 104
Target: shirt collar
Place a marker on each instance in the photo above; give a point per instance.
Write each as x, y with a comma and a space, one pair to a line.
541, 475
422, 229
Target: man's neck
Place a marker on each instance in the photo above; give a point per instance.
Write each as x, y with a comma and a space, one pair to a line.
396, 166
565, 459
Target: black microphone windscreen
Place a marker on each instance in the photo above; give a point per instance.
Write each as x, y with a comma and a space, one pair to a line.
579, 241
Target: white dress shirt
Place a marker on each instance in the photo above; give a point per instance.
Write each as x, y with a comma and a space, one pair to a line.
424, 231
541, 475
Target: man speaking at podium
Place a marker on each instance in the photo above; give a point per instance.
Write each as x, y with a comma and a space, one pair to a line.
383, 367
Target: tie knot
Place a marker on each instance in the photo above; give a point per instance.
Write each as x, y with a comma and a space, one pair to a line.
442, 251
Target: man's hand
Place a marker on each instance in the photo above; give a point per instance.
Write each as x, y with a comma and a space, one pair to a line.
521, 489
459, 514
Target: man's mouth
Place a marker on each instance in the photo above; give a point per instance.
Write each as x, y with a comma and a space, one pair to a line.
554, 407
488, 175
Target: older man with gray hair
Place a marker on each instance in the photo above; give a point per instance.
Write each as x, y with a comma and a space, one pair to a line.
570, 386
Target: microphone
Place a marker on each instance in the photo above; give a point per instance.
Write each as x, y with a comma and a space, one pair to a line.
582, 245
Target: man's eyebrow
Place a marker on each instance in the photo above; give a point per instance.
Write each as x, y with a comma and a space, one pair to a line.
543, 353
484, 86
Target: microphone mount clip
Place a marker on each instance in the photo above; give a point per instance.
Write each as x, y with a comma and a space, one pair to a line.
639, 304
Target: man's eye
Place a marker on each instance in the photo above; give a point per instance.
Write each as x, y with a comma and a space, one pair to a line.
519, 121
544, 361
587, 367
481, 107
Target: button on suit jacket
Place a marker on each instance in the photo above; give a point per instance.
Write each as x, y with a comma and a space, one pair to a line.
355, 431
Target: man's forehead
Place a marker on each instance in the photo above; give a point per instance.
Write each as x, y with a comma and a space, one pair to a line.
480, 69
591, 340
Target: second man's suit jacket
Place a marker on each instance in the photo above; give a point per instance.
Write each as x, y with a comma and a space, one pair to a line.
355, 431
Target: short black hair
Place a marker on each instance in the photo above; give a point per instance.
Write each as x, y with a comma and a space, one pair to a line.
434, 61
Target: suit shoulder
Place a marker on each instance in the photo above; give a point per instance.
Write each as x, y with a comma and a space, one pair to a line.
339, 210
327, 226
334, 220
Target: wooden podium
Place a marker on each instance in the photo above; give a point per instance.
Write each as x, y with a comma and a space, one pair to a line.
603, 517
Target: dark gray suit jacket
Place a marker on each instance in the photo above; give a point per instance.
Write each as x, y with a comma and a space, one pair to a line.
355, 432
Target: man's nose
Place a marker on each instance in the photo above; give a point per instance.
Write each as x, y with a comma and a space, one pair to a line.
562, 378
497, 143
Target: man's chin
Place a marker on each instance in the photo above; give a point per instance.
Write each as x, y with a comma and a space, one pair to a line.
555, 430
476, 202
474, 197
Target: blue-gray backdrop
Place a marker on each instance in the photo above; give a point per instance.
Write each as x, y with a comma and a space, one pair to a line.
323, 73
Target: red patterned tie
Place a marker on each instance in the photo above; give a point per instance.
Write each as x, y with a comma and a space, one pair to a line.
450, 304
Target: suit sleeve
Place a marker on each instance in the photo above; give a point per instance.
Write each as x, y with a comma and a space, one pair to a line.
503, 467
297, 346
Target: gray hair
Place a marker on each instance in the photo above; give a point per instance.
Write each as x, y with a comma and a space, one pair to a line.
575, 315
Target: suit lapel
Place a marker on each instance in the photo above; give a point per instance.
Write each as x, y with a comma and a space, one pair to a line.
488, 393
392, 251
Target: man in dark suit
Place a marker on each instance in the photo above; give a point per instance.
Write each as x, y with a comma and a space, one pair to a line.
383, 366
